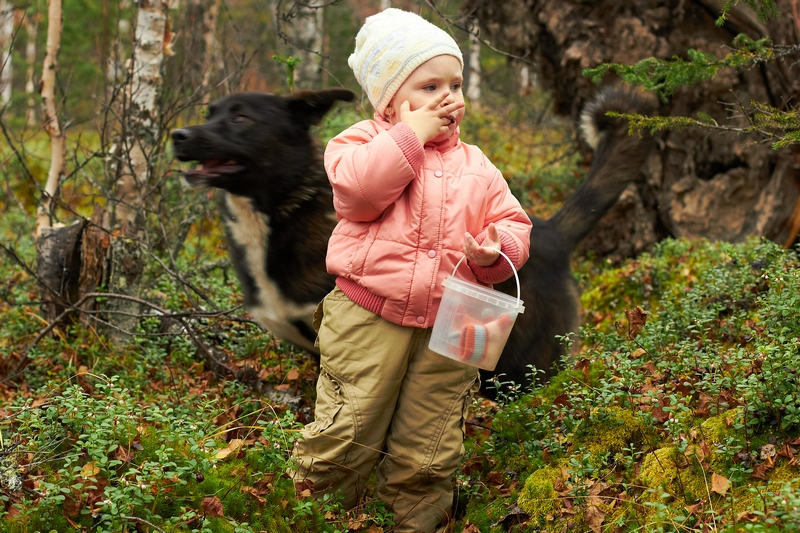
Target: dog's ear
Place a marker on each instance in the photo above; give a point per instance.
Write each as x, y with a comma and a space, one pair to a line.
311, 106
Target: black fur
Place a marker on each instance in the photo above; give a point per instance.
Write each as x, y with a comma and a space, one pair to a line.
276, 177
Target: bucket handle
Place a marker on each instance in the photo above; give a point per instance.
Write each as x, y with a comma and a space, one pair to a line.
516, 277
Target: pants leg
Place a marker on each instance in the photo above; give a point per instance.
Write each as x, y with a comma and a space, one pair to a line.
424, 445
363, 361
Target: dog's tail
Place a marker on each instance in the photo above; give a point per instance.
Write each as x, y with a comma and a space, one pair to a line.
618, 161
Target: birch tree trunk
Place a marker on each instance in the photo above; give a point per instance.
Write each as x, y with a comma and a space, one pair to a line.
6, 39
474, 87
138, 145
51, 125
151, 42
304, 32
32, 29
212, 60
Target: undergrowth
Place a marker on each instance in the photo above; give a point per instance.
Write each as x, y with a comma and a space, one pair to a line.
680, 411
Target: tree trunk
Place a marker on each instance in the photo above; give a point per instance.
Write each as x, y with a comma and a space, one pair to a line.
474, 86
51, 125
32, 29
303, 28
138, 146
697, 184
212, 59
6, 40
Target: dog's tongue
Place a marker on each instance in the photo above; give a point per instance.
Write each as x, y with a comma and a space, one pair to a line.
216, 167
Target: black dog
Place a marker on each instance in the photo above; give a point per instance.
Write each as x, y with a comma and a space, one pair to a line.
278, 210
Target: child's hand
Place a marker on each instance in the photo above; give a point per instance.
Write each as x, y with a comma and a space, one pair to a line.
432, 119
486, 253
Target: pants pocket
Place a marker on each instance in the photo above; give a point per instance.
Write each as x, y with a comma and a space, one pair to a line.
473, 390
316, 320
329, 403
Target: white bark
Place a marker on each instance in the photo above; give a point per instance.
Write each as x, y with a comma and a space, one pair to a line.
212, 60
305, 31
525, 81
474, 89
51, 124
6, 40
32, 29
152, 43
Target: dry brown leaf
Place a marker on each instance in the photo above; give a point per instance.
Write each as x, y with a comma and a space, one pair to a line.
470, 528
637, 318
637, 353
72, 507
232, 447
212, 506
759, 471
494, 478
90, 469
747, 516
768, 451
720, 484
695, 509
583, 366
594, 518
293, 375
254, 493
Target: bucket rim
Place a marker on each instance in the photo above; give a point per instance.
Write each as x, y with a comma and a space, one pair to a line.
496, 298
513, 269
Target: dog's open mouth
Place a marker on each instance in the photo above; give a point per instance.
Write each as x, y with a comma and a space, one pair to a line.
212, 168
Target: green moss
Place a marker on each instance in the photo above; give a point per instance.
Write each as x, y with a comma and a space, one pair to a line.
484, 512
611, 430
716, 429
539, 497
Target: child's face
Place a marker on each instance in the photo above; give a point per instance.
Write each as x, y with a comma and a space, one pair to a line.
429, 80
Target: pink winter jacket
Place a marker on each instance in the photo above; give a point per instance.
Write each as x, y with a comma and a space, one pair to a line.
403, 210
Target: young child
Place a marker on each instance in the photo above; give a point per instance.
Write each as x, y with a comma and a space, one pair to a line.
412, 199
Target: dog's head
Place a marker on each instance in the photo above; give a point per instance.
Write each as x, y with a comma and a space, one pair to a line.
248, 136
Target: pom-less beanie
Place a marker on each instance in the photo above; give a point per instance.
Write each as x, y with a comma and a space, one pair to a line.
390, 46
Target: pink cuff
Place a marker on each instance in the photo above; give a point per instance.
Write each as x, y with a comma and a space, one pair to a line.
500, 270
409, 144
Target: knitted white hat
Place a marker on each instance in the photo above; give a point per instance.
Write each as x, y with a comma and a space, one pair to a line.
390, 46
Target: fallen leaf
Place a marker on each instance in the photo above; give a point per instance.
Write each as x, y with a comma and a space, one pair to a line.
90, 469
212, 506
232, 446
594, 518
306, 485
759, 471
72, 507
695, 509
787, 451
637, 318
252, 491
720, 484
583, 366
637, 353
768, 451
293, 375
494, 478
470, 528
747, 516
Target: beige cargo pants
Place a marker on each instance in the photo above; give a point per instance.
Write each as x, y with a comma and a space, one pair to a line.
384, 398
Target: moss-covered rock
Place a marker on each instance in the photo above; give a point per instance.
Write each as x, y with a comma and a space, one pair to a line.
538, 497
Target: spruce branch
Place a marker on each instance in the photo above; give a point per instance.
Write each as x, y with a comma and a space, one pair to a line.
664, 76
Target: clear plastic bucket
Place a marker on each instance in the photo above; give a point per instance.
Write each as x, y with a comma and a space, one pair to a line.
473, 321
